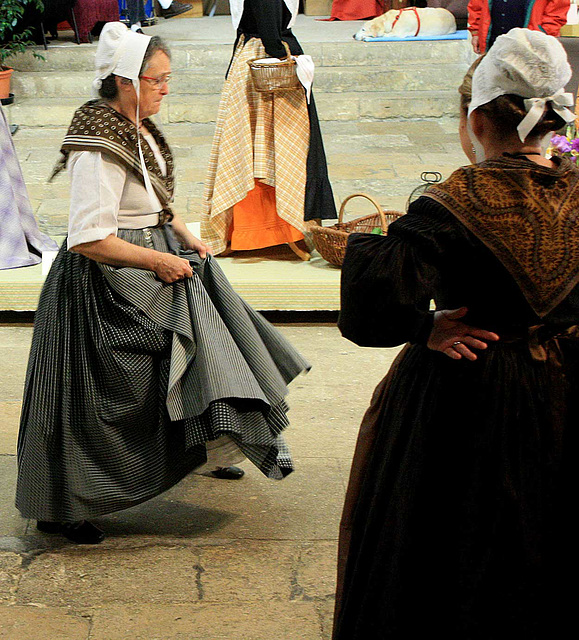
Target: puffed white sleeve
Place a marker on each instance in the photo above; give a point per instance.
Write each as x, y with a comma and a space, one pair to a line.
97, 184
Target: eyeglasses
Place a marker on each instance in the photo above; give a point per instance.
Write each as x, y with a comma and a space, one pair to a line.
157, 82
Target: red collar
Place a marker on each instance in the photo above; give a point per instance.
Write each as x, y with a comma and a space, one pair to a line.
417, 18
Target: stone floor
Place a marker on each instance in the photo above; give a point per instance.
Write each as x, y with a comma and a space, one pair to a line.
210, 559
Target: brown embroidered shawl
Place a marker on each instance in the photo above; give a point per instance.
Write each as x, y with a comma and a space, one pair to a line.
527, 215
98, 127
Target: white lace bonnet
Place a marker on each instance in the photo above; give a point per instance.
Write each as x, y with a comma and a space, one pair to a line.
119, 51
529, 64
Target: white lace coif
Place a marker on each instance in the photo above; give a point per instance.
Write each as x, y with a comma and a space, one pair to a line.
529, 64
119, 51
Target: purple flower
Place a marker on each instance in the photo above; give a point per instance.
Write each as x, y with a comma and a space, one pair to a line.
575, 144
561, 144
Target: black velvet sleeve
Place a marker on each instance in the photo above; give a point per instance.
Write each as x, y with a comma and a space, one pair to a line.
388, 283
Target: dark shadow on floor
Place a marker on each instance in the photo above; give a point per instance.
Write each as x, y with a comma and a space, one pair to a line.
163, 517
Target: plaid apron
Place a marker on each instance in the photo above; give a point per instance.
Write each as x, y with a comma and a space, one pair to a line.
258, 136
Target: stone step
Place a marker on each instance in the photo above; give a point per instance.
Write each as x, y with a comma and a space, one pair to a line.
189, 55
202, 108
370, 79
354, 80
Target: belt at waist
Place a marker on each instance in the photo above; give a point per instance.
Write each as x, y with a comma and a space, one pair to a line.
157, 219
544, 344
137, 222
543, 341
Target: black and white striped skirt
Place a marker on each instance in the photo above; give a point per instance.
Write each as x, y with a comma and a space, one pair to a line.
129, 378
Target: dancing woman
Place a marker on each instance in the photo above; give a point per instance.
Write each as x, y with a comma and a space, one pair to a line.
144, 361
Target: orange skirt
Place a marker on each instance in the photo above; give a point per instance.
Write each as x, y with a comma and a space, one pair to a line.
256, 224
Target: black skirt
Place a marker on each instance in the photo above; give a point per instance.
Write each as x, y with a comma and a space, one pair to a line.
461, 520
129, 378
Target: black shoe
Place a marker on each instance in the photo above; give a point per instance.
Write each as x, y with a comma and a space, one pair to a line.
140, 31
83, 532
175, 9
228, 473
49, 527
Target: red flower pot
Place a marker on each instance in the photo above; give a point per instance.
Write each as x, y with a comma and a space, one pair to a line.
5, 74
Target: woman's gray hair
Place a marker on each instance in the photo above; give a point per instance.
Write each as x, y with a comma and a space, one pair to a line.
156, 44
109, 89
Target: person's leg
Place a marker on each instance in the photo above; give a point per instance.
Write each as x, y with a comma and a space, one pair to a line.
135, 12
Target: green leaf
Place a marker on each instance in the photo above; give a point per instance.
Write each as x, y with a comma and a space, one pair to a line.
14, 36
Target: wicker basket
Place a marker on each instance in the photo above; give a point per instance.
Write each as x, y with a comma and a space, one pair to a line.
331, 242
275, 76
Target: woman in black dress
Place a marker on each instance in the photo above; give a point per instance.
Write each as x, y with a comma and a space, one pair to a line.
458, 513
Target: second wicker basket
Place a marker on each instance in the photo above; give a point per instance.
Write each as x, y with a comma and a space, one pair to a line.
331, 242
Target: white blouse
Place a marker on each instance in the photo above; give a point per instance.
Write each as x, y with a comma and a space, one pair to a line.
105, 196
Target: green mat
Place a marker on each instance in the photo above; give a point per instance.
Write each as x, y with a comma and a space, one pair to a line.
272, 279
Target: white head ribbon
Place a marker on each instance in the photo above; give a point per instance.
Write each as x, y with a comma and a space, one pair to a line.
535, 107
305, 71
529, 64
236, 7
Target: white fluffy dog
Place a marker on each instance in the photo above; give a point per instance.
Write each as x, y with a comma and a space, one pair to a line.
405, 23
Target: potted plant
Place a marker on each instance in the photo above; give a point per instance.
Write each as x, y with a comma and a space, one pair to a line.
15, 36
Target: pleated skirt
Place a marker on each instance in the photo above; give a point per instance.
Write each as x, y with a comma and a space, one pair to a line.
129, 378
461, 498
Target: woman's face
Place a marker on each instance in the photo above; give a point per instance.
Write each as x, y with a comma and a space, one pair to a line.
154, 84
465, 141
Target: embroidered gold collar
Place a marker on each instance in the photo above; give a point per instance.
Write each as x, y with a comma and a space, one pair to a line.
527, 215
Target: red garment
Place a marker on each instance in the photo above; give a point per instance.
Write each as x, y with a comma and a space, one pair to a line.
357, 9
88, 12
544, 15
256, 224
